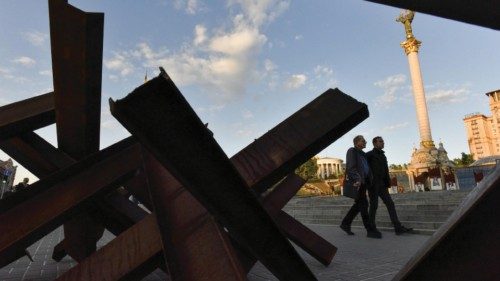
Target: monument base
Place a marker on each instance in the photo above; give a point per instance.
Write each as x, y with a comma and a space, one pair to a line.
430, 168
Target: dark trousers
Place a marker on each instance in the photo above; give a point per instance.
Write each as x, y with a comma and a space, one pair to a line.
381, 191
360, 206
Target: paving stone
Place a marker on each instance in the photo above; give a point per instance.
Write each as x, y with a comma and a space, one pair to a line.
357, 258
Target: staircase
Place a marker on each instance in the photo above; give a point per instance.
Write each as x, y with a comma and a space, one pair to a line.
425, 212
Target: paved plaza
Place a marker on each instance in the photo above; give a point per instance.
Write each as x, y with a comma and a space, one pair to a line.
357, 258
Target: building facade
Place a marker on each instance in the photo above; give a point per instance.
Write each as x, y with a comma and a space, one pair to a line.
7, 175
328, 167
483, 132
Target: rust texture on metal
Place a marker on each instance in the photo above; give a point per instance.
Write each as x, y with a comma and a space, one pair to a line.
282, 193
466, 246
308, 240
26, 116
194, 245
76, 39
160, 117
117, 259
77, 44
37, 155
482, 13
67, 190
298, 138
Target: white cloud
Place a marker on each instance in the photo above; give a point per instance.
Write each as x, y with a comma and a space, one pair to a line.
321, 70
324, 74
295, 81
447, 96
395, 126
189, 6
247, 114
210, 109
261, 11
299, 37
269, 65
246, 133
46, 72
192, 7
113, 78
120, 63
239, 42
270, 74
25, 61
36, 38
390, 86
7, 74
199, 34
222, 61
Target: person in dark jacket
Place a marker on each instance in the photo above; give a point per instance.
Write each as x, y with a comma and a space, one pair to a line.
380, 184
358, 171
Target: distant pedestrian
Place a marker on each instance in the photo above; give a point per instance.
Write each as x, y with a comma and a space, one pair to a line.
381, 182
22, 185
358, 171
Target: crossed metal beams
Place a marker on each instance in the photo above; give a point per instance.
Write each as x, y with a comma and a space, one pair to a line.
81, 186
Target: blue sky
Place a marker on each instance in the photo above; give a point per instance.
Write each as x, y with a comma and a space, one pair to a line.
247, 65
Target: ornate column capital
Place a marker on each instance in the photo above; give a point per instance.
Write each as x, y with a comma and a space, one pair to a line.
411, 45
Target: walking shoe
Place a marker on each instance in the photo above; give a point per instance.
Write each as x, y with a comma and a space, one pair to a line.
347, 229
400, 230
374, 234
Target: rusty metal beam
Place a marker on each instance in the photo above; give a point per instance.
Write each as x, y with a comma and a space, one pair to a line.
68, 190
194, 245
130, 250
26, 116
36, 155
269, 158
115, 212
43, 159
308, 240
282, 193
76, 40
313, 244
482, 13
157, 110
298, 138
138, 187
466, 246
77, 43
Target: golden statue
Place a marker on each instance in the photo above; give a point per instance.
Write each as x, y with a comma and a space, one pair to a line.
406, 17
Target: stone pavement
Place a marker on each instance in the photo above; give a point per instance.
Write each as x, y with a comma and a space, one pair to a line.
357, 258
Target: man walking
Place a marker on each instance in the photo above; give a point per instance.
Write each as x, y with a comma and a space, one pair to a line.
358, 171
381, 182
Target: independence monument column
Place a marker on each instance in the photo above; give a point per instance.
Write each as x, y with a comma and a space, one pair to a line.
430, 167
411, 45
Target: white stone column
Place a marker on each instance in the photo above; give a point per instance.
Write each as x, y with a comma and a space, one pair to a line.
411, 46
419, 97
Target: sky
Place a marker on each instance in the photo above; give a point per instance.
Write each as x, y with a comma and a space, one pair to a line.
246, 65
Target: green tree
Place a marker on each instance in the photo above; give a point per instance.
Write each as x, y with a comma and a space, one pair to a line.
308, 170
396, 167
464, 161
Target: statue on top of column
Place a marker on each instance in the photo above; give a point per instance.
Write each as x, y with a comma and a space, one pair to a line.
406, 17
